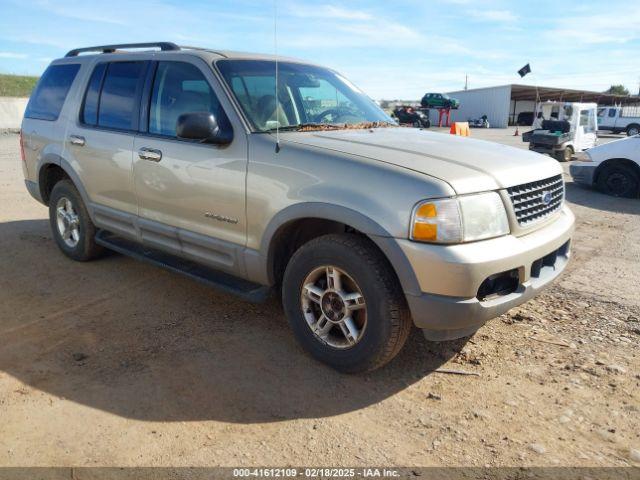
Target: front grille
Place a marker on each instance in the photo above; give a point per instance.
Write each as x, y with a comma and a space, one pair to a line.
535, 201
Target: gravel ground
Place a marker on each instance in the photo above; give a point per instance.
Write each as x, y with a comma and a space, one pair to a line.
115, 362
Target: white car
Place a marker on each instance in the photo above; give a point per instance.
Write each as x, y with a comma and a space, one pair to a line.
614, 168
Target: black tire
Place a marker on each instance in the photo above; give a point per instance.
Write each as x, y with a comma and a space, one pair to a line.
633, 129
619, 181
565, 154
86, 248
388, 321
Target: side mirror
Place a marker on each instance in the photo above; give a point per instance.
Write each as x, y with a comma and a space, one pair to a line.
203, 126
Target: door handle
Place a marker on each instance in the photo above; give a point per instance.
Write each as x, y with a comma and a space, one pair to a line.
150, 154
76, 140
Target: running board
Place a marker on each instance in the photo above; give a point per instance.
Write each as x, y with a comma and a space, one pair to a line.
225, 282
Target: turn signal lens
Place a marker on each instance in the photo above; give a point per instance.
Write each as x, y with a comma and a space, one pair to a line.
461, 219
437, 221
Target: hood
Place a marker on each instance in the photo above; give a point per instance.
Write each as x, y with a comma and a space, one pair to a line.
466, 164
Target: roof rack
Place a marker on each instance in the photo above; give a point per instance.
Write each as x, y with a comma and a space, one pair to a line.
164, 46
203, 49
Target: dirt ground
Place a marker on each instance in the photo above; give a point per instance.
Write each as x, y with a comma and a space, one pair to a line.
117, 363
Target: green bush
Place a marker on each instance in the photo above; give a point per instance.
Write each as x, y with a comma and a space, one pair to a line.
16, 85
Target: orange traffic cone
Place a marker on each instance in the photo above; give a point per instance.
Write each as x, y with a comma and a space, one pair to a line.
517, 133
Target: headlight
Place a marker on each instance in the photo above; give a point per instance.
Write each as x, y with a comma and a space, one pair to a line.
461, 219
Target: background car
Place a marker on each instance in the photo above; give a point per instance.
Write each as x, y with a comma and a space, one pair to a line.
614, 168
525, 119
411, 116
439, 100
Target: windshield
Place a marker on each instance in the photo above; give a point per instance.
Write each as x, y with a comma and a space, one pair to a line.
308, 96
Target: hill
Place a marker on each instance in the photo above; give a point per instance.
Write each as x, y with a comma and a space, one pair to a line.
16, 85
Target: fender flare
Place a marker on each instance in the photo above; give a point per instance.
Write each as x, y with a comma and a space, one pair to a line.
325, 211
54, 159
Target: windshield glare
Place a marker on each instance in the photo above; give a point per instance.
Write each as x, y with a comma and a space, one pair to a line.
306, 95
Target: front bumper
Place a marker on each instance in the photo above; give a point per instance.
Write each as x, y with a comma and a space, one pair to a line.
450, 276
583, 172
546, 149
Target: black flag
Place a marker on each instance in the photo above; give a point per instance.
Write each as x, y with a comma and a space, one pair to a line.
524, 70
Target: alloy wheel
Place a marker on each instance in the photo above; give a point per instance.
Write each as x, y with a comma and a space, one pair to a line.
334, 307
68, 222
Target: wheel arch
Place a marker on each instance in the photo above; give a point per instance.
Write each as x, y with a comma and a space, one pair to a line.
631, 125
51, 170
327, 218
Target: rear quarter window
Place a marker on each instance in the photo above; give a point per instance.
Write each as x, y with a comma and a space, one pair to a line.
48, 98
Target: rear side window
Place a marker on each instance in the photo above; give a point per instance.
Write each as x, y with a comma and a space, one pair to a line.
48, 98
118, 103
92, 97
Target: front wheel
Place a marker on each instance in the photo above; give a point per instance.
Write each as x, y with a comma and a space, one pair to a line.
71, 225
344, 303
619, 181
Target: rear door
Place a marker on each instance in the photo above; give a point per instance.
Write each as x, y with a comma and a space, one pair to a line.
191, 195
101, 142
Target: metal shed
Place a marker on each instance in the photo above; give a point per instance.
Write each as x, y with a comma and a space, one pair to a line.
502, 104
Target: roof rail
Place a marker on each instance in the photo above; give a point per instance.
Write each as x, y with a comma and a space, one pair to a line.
164, 46
203, 49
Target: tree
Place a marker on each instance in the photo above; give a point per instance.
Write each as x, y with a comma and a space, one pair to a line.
617, 90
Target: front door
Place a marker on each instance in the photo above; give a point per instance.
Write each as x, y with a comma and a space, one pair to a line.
191, 195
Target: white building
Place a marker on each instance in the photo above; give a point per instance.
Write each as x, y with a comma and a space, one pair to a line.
503, 104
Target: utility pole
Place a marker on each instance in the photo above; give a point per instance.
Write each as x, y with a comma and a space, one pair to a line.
466, 81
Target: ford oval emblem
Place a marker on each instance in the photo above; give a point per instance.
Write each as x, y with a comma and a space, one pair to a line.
546, 197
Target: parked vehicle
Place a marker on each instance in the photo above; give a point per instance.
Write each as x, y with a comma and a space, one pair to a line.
482, 122
439, 100
619, 119
567, 128
411, 116
525, 119
199, 161
614, 168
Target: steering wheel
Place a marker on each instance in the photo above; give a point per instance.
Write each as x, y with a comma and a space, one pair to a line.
336, 113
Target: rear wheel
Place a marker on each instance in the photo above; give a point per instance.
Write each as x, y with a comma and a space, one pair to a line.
71, 225
619, 181
633, 130
344, 303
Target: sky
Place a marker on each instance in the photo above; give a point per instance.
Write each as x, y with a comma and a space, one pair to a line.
392, 49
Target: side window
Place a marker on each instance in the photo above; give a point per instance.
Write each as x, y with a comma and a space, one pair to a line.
178, 88
48, 98
587, 120
118, 104
612, 112
89, 113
